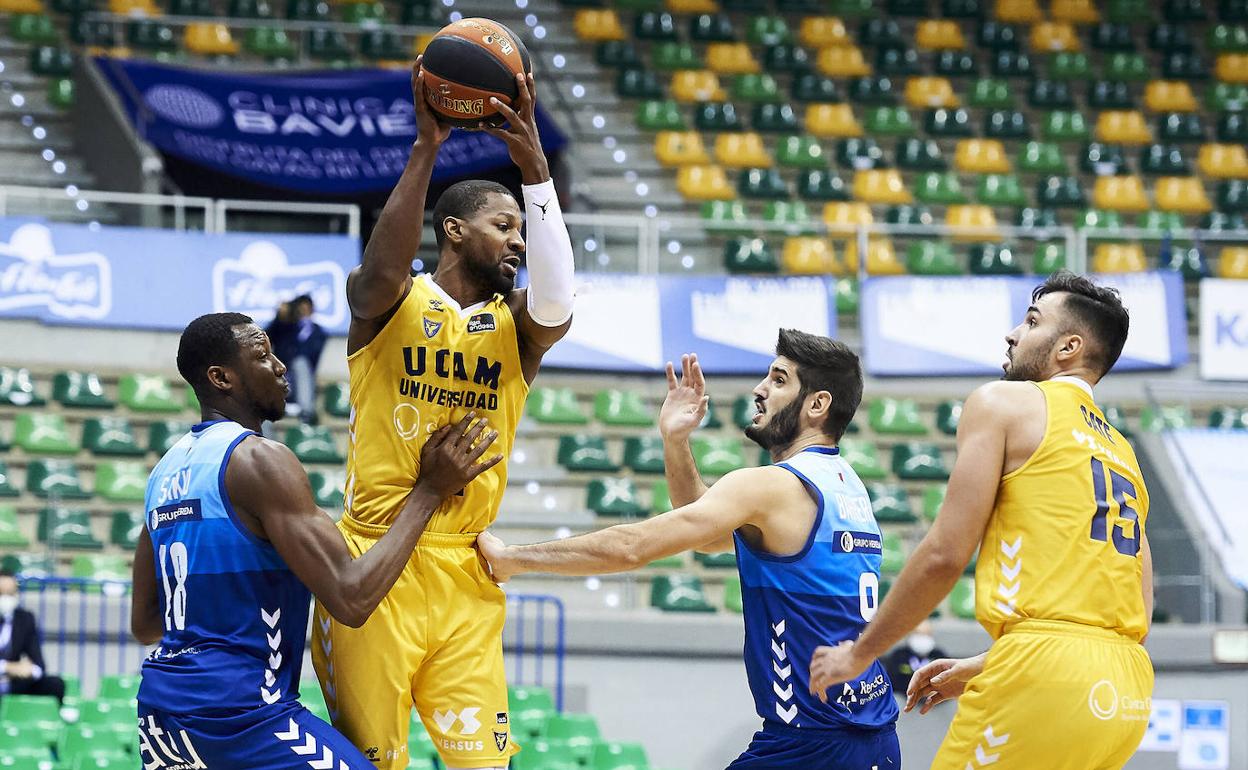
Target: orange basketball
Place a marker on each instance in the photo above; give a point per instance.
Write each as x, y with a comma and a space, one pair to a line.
466, 63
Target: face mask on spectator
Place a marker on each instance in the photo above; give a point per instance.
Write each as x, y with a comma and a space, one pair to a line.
7, 605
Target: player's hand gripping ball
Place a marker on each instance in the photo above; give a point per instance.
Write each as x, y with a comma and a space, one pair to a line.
468, 62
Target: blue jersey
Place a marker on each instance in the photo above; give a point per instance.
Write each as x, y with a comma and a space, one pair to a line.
822, 595
235, 616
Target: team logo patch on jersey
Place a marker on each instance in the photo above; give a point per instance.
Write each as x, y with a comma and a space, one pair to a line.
432, 327
857, 542
500, 740
481, 322
167, 515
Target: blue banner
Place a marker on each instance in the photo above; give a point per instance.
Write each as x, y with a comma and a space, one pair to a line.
340, 132
162, 279
957, 326
638, 323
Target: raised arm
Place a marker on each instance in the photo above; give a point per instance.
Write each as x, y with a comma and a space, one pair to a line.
266, 480
145, 621
681, 414
382, 277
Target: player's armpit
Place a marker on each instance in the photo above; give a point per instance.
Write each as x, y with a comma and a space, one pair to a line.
145, 620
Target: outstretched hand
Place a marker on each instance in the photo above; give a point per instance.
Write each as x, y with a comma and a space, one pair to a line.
941, 680
520, 134
428, 127
685, 406
449, 458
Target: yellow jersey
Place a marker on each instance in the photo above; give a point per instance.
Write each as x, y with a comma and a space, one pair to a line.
1063, 541
431, 364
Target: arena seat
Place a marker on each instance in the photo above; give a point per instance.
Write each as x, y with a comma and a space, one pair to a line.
1041, 158
689, 85
1165, 417
119, 481
680, 148
678, 593
891, 416
1118, 258
939, 34
1048, 258
147, 393
7, 487
163, 434
1223, 161
312, 444
831, 120
660, 115
110, 436
948, 413
1233, 262
1161, 221
931, 258
962, 598
800, 151
743, 150
978, 217
993, 259
327, 489
644, 454
1120, 193
209, 39
704, 183
981, 156
864, 458
755, 88
880, 186
1122, 127
939, 187
43, 433
1182, 194
596, 24
11, 535
1169, 96
717, 455
1228, 418
807, 255
730, 58
842, 61
614, 497
762, 183
749, 255
1000, 190
555, 406
881, 257
65, 528
890, 503
1163, 160
585, 452
81, 390
622, 407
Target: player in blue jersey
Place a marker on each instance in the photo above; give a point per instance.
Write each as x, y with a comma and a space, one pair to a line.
807, 544
233, 542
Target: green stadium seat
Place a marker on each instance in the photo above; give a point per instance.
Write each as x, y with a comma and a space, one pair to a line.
905, 214
767, 30
1103, 159
1184, 65
1127, 67
151, 35
55, 478
540, 754
1041, 158
679, 593
1156, 419
726, 217
32, 28
191, 8
1001, 190
1047, 94
894, 416
732, 595
1224, 417
555, 406
1181, 128
939, 188
1226, 97
17, 388
998, 36
962, 598
1065, 126
269, 42
879, 30
754, 87
799, 151
42, 433
644, 454
421, 14
743, 411
51, 60
37, 716
672, 55
307, 10
916, 154
1070, 65
163, 434
774, 118
147, 393
717, 116
28, 565
955, 64
948, 413
1232, 195
1006, 124
530, 698
892, 553
327, 489
1225, 38
852, 9
327, 44
615, 54
1222, 221
1110, 95
723, 560
791, 213
336, 400
573, 729
110, 436
1011, 64
919, 460
120, 481
1110, 36
614, 497
1116, 417
712, 28
98, 566
993, 259
872, 90
889, 121
847, 296
365, 14
583, 452
822, 185
933, 498
1189, 261
653, 25
890, 503
622, 407
864, 458
630, 5
312, 444
249, 9
796, 59
118, 687
932, 258
377, 44
749, 255
11, 535
1057, 192
660, 499
1161, 221
1163, 160
65, 528
124, 528
860, 153
897, 60
1048, 258
990, 93
7, 487
81, 390
717, 455
962, 9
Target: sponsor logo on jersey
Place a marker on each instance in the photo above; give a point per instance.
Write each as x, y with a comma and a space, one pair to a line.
436, 304
451, 364
481, 322
432, 327
500, 740
857, 542
177, 513
500, 718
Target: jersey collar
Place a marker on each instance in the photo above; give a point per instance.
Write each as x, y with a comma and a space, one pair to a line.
448, 299
1073, 380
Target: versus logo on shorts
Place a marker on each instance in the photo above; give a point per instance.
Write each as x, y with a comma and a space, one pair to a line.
846, 541
481, 322
166, 515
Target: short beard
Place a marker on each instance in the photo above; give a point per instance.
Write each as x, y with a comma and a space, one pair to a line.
491, 277
781, 430
1029, 369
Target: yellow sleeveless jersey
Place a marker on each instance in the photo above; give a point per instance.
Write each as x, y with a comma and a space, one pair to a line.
431, 364
1063, 542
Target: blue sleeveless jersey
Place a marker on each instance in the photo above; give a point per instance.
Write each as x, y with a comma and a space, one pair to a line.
822, 595
235, 616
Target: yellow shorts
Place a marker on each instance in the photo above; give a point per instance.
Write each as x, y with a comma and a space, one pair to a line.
435, 644
1052, 696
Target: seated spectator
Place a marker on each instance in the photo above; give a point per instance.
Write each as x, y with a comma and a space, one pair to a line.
21, 659
917, 651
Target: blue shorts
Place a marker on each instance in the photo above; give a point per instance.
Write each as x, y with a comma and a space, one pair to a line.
779, 747
283, 736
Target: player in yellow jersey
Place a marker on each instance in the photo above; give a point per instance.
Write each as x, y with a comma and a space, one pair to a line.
1052, 495
422, 352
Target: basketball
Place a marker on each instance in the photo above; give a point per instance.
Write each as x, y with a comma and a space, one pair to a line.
468, 62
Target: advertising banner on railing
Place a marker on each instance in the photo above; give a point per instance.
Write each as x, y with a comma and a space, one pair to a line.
638, 323
1223, 329
1211, 463
161, 279
338, 132
957, 326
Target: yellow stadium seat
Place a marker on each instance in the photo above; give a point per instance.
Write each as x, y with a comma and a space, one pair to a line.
1018, 11
693, 6
133, 8
807, 255
696, 86
930, 92
831, 120
1075, 11
1233, 262
1232, 68
1050, 36
842, 62
208, 39
981, 156
1184, 194
730, 58
743, 150
972, 215
1169, 96
21, 6
939, 35
823, 31
1223, 161
1118, 258
704, 183
598, 24
1119, 193
881, 185
843, 216
680, 148
1123, 127
881, 258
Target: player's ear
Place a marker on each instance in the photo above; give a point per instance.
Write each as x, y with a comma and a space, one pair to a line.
454, 229
1070, 347
819, 404
220, 378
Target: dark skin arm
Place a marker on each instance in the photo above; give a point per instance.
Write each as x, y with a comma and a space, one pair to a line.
145, 622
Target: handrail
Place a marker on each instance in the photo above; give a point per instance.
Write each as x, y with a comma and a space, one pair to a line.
349, 210
179, 203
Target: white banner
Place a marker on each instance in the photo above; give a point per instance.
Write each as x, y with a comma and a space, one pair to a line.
1212, 464
1223, 329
